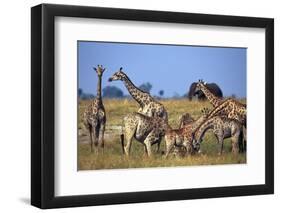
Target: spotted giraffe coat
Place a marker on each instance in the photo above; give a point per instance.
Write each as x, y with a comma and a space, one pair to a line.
146, 130
222, 127
148, 105
182, 137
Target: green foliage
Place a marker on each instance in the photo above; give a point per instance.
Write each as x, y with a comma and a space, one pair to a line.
146, 87
161, 93
80, 92
84, 96
112, 92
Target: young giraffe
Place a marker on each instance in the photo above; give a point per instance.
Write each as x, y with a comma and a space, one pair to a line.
183, 137
148, 105
214, 100
94, 117
145, 129
185, 119
223, 128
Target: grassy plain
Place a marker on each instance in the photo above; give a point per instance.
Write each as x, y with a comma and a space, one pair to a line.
112, 157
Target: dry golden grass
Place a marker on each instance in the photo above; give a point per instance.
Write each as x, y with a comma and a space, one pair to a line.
112, 158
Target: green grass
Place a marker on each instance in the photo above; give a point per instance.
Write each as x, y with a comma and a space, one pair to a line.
112, 158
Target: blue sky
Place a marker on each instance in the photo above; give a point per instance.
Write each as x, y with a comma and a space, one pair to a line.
171, 68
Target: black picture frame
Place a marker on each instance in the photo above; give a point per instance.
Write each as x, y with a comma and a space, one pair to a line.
43, 105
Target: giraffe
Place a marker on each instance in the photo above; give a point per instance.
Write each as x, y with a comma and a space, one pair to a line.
182, 137
214, 100
223, 128
145, 129
234, 110
228, 107
148, 105
185, 119
94, 116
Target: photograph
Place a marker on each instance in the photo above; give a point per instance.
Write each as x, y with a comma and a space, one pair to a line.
141, 105
145, 105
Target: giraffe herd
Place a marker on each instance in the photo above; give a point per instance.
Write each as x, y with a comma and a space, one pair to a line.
149, 125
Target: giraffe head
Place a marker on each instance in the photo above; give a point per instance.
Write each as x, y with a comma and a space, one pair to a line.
119, 75
99, 70
200, 84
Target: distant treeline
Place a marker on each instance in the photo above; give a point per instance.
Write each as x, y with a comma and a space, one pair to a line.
115, 92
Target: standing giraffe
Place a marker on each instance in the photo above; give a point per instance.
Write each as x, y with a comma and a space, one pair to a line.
94, 117
228, 107
214, 100
148, 105
234, 110
223, 128
145, 129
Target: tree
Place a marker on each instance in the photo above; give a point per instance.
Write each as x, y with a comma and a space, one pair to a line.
176, 95
146, 87
84, 96
161, 93
112, 92
233, 96
80, 92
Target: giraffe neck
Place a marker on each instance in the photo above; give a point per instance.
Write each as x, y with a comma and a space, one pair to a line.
219, 108
196, 124
99, 88
210, 96
166, 125
135, 92
203, 129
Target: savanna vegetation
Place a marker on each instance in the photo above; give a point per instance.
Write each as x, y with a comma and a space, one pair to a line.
112, 158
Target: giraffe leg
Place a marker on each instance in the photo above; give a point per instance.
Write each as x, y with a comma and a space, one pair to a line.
158, 143
95, 141
235, 143
144, 150
148, 147
169, 146
91, 138
129, 138
148, 141
221, 144
188, 147
158, 146
101, 137
244, 139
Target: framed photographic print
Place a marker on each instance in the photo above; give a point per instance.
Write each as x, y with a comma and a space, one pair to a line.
139, 106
